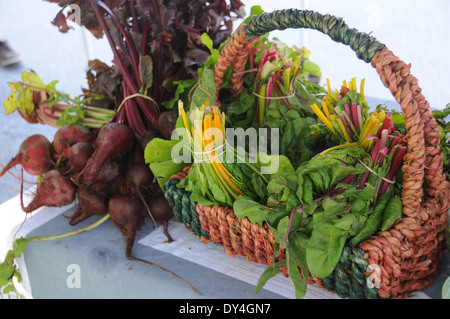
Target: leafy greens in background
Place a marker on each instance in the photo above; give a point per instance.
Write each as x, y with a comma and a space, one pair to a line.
443, 120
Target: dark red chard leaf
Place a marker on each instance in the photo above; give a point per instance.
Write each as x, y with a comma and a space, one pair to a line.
60, 21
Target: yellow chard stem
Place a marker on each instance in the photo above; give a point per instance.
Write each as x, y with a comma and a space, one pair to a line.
326, 110
362, 89
287, 80
185, 121
322, 117
344, 130
261, 104
329, 87
354, 84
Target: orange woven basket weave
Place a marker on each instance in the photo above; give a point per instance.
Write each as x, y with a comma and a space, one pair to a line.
407, 254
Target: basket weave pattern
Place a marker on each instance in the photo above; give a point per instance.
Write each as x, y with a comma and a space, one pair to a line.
408, 253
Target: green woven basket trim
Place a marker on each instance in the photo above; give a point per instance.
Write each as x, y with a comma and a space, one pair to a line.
363, 44
349, 279
183, 208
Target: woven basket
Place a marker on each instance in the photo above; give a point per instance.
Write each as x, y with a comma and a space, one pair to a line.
408, 254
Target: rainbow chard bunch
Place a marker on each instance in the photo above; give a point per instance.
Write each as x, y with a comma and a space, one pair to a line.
277, 70
345, 113
220, 173
277, 93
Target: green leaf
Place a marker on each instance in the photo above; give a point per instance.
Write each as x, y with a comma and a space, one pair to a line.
206, 90
11, 103
360, 207
244, 206
333, 207
158, 153
281, 163
164, 170
159, 149
268, 274
145, 73
327, 241
367, 193
19, 245
312, 68
31, 77
254, 10
206, 40
296, 256
71, 116
181, 93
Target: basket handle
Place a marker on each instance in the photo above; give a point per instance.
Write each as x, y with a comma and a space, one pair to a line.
423, 159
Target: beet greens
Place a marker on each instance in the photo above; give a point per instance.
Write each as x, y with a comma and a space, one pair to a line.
155, 44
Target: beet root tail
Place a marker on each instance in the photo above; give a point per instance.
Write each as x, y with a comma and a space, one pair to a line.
78, 216
129, 246
12, 163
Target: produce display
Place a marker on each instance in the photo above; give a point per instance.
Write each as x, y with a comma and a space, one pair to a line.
325, 175
340, 196
347, 192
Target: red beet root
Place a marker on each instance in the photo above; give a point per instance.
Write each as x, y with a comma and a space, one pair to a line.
138, 181
78, 155
114, 139
35, 156
161, 212
107, 179
128, 215
68, 135
53, 190
89, 204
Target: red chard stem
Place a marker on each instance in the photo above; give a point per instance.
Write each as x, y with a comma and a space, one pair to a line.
355, 114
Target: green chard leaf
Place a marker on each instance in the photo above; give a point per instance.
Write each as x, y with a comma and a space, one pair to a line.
327, 241
244, 206
145, 73
296, 257
158, 154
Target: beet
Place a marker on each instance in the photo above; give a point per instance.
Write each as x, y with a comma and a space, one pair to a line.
107, 179
89, 204
166, 123
147, 137
68, 135
53, 190
35, 156
78, 155
161, 212
139, 180
114, 139
128, 215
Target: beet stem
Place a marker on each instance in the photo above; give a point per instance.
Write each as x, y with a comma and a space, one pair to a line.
75, 232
